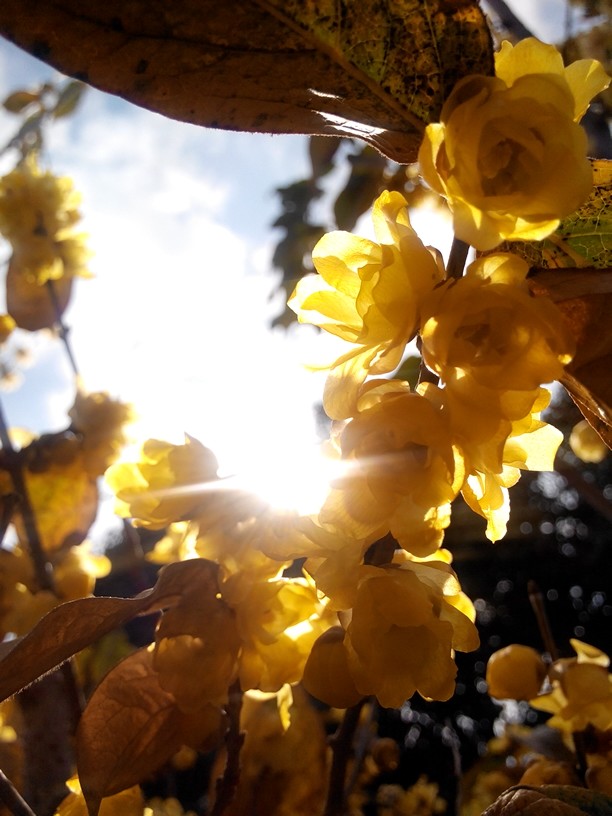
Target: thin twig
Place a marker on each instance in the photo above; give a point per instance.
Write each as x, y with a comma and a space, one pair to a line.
537, 604
457, 258
342, 746
44, 576
227, 785
63, 330
13, 799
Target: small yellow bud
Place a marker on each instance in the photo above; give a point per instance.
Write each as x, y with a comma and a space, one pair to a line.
515, 672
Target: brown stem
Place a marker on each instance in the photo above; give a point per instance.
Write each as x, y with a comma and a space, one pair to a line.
228, 784
537, 604
44, 576
342, 746
12, 799
457, 258
63, 330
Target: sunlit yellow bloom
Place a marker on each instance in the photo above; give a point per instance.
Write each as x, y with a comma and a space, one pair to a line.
278, 621
587, 444
38, 213
334, 558
166, 485
165, 807
402, 470
529, 444
403, 631
75, 571
100, 423
250, 537
368, 294
488, 325
581, 691
7, 324
508, 153
129, 802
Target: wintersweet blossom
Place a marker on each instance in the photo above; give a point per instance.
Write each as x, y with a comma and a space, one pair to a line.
508, 152
581, 692
368, 294
402, 469
278, 621
530, 444
165, 485
38, 214
488, 325
402, 631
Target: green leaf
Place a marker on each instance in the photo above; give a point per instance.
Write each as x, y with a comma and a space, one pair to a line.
19, 100
68, 98
372, 70
583, 239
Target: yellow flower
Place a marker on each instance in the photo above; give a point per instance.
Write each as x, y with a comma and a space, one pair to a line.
488, 325
581, 691
38, 212
368, 294
403, 630
508, 153
7, 325
492, 466
100, 421
587, 444
166, 485
75, 571
129, 802
402, 470
278, 621
515, 672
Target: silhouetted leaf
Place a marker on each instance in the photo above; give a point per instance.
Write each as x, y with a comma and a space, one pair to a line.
131, 726
364, 69
68, 98
362, 187
17, 101
585, 298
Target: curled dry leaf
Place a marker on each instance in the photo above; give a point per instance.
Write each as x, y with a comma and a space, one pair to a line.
550, 800
131, 726
372, 70
71, 626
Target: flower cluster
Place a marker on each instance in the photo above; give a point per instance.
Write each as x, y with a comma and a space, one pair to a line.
38, 215
379, 610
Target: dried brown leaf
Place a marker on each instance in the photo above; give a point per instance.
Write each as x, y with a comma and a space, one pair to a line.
131, 726
73, 625
30, 305
550, 800
585, 298
373, 70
